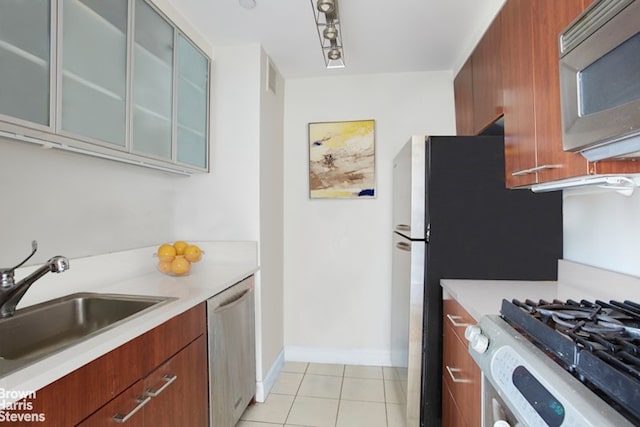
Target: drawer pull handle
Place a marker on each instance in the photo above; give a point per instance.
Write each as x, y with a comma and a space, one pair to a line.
403, 246
454, 321
534, 170
454, 378
168, 379
121, 419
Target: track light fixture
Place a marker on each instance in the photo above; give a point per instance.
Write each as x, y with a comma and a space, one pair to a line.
329, 32
326, 6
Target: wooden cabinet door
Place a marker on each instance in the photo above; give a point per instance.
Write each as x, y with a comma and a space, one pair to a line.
533, 129
178, 389
487, 77
550, 18
463, 94
461, 375
451, 416
125, 408
168, 338
519, 114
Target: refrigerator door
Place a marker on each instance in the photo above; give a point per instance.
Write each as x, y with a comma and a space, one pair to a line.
406, 322
409, 189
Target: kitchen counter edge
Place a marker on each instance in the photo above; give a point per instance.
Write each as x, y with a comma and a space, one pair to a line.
484, 297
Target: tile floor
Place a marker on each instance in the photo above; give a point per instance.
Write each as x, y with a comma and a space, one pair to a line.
326, 395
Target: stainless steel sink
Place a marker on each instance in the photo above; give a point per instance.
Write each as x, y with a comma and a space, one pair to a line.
39, 330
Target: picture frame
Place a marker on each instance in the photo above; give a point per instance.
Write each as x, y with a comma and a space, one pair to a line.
342, 159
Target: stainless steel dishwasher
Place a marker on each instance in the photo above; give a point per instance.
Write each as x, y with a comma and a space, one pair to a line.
232, 362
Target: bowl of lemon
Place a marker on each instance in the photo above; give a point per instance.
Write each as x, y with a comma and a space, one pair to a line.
175, 259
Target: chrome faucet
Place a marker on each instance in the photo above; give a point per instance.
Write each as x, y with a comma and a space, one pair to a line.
11, 292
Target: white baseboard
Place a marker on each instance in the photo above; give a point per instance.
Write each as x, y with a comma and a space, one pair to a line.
263, 388
338, 355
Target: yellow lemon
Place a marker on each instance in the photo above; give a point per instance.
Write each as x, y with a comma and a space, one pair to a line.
165, 266
166, 252
180, 265
193, 253
180, 246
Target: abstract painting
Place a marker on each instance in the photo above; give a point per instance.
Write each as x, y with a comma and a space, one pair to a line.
342, 159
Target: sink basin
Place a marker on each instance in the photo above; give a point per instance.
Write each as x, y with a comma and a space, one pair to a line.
39, 330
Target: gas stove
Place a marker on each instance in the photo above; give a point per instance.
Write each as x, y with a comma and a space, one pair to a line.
560, 363
597, 342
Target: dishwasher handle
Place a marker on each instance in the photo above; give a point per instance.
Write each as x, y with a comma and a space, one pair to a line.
236, 300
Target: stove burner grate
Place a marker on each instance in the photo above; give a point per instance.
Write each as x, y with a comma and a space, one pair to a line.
598, 342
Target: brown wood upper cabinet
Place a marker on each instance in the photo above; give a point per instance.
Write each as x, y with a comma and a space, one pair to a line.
478, 85
487, 77
532, 120
463, 94
514, 70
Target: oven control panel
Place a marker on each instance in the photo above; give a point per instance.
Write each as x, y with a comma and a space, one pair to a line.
537, 404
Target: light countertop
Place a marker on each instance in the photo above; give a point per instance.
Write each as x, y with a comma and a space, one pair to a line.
131, 272
483, 297
575, 281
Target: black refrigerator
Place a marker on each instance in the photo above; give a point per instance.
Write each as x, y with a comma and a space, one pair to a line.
453, 218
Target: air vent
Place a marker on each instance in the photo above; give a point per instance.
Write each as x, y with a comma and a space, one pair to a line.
591, 19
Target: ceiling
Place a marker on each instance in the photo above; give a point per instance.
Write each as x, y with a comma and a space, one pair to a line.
378, 37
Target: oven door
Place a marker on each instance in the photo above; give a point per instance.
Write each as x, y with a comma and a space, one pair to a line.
495, 412
600, 90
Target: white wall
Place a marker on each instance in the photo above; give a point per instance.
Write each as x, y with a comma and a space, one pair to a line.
76, 205
603, 230
224, 204
271, 340
338, 252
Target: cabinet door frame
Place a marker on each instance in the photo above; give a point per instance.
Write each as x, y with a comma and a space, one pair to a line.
16, 121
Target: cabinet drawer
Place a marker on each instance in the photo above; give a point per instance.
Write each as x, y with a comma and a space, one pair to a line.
461, 376
456, 317
179, 389
126, 408
167, 339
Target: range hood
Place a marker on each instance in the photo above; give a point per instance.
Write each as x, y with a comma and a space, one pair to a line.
620, 184
621, 148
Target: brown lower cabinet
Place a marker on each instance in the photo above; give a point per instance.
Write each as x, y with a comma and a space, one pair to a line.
157, 379
461, 376
169, 396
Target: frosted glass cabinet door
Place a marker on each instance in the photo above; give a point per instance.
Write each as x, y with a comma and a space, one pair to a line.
25, 39
94, 69
152, 83
193, 74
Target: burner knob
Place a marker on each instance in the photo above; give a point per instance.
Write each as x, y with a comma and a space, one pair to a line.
471, 332
480, 343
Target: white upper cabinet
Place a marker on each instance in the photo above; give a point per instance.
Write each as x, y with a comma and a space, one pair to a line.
94, 69
25, 66
193, 100
127, 83
152, 120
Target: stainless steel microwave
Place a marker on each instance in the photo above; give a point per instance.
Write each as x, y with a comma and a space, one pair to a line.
600, 81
